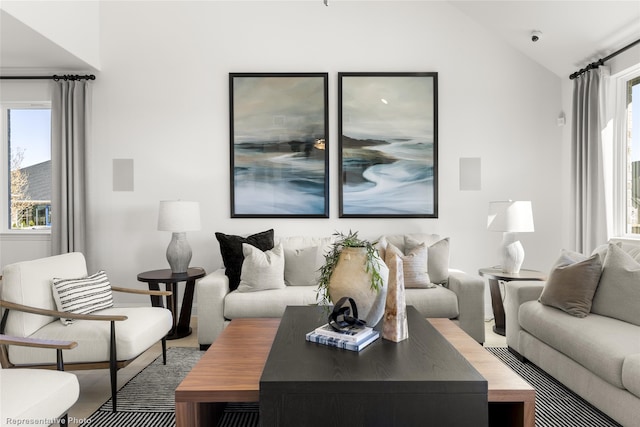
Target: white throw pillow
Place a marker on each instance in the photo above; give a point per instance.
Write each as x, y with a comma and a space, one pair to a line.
301, 266
261, 270
82, 295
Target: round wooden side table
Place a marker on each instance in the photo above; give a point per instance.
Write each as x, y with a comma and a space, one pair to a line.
180, 327
496, 275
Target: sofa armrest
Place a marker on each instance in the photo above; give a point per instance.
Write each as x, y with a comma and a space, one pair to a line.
517, 293
211, 291
470, 293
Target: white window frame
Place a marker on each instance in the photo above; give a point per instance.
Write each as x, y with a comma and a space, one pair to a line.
618, 86
4, 168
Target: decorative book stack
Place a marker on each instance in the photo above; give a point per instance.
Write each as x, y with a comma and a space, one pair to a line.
354, 339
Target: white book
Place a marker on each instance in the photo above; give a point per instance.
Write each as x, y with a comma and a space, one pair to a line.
338, 343
352, 334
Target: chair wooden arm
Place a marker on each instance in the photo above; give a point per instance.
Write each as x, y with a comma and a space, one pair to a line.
141, 291
34, 342
55, 313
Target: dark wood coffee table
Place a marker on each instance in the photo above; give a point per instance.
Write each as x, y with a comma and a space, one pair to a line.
230, 371
388, 384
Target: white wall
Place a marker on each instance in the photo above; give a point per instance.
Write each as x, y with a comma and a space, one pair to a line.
74, 25
162, 99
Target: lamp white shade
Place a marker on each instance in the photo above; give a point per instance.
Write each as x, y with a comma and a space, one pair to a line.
179, 215
510, 216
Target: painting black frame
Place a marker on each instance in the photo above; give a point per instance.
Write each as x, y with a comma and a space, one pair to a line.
408, 98
290, 95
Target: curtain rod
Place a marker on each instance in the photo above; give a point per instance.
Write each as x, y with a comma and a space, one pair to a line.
602, 60
55, 77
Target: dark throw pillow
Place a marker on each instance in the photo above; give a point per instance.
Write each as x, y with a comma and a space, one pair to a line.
232, 256
571, 287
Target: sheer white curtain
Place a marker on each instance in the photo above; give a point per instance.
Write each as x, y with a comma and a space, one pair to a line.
588, 161
69, 131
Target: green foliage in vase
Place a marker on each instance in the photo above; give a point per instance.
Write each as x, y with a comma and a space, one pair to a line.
351, 240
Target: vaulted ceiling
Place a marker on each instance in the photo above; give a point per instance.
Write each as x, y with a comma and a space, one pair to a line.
574, 33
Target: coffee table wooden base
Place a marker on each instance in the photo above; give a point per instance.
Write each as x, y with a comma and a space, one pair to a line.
230, 372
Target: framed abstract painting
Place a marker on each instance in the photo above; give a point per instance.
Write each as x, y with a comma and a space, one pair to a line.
279, 145
388, 145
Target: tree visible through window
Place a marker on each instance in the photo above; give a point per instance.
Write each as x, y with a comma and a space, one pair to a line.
29, 137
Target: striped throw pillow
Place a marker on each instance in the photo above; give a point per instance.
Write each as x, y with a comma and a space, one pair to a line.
83, 295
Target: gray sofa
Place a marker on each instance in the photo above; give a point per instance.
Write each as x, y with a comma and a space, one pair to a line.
460, 298
596, 356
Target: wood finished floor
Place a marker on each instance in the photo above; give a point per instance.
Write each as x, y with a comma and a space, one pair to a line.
95, 388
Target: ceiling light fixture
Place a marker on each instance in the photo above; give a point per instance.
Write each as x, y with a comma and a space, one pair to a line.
326, 2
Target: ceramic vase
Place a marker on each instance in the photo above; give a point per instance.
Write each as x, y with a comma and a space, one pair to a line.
350, 279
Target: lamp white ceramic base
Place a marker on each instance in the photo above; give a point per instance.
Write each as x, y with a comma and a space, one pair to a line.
512, 253
179, 253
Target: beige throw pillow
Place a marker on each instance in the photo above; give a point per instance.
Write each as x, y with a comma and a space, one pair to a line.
437, 258
261, 270
618, 294
414, 265
571, 286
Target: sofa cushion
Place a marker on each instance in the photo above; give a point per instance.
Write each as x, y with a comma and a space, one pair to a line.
261, 270
32, 396
271, 303
436, 302
599, 343
437, 252
631, 373
414, 265
571, 287
144, 327
36, 275
82, 295
231, 251
618, 294
437, 258
301, 266
303, 257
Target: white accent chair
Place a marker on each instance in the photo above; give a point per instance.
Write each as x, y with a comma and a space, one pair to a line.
37, 396
108, 338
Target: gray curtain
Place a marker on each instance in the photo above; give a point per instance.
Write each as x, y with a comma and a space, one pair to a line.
588, 189
69, 131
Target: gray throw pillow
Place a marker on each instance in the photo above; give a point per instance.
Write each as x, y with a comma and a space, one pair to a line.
301, 266
618, 294
571, 287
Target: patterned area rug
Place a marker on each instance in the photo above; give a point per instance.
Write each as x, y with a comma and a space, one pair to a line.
148, 399
555, 404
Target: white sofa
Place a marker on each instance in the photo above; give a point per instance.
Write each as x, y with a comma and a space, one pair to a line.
460, 298
597, 356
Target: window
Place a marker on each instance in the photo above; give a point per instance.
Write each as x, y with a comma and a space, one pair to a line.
27, 132
633, 157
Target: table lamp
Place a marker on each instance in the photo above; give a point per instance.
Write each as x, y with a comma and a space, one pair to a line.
511, 217
179, 217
